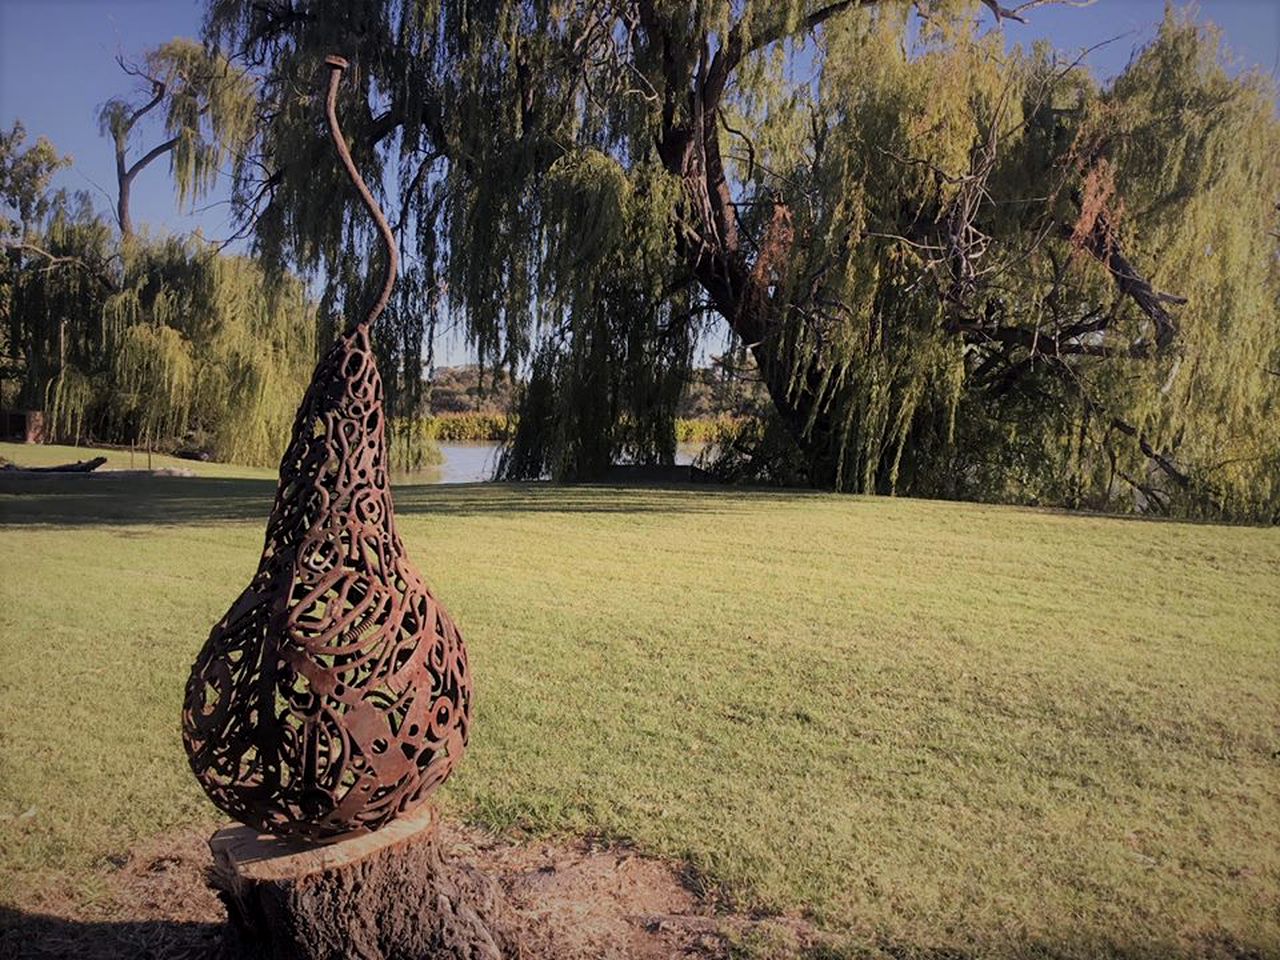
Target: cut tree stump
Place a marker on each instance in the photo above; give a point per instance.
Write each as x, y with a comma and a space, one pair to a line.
386, 895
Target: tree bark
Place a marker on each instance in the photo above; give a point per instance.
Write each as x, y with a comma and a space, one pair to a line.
388, 895
813, 430
124, 179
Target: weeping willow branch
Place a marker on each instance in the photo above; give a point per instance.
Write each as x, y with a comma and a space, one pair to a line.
558, 167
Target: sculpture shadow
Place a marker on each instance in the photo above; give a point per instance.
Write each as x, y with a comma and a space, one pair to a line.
70, 499
35, 936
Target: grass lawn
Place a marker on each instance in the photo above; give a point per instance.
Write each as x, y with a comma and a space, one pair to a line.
938, 729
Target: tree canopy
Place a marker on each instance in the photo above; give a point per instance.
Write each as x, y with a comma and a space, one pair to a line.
961, 270
133, 338
956, 268
206, 106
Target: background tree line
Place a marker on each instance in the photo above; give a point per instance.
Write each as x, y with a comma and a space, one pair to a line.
954, 269
123, 337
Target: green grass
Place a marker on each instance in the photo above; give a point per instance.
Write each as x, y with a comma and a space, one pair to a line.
931, 726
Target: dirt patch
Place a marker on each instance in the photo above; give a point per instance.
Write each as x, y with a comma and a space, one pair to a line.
574, 901
155, 904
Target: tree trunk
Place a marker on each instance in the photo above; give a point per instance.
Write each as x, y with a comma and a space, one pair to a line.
122, 210
124, 185
812, 430
80, 466
387, 895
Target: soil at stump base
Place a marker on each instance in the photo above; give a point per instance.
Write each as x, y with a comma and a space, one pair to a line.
572, 901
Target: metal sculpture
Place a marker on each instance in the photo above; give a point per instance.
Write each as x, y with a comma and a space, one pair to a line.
335, 694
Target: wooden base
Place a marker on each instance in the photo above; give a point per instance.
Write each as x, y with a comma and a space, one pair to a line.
387, 895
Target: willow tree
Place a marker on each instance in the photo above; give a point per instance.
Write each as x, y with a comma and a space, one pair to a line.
948, 261
26, 172
205, 106
161, 340
164, 341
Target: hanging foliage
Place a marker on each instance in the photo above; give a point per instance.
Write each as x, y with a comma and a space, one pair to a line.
134, 339
163, 342
206, 107
960, 270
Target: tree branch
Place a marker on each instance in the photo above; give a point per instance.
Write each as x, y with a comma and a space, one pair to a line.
780, 31
157, 93
384, 124
150, 155
1102, 243
1060, 343
53, 260
1164, 463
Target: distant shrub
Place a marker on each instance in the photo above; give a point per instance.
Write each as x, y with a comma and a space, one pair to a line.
470, 389
469, 427
476, 427
706, 429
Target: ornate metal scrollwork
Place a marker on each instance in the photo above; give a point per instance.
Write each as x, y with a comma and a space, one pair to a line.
335, 693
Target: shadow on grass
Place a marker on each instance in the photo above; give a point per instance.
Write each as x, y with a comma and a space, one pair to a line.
31, 499
34, 936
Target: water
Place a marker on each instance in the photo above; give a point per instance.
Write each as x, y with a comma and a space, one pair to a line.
474, 462
467, 462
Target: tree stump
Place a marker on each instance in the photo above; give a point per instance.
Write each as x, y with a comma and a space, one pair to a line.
387, 895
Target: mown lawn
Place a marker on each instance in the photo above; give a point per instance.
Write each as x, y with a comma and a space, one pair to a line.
931, 726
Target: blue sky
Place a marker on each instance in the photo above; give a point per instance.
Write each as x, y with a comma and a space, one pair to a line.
57, 65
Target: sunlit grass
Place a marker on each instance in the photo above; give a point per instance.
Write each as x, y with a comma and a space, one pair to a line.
50, 455
929, 725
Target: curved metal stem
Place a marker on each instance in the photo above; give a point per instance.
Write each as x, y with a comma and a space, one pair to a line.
336, 67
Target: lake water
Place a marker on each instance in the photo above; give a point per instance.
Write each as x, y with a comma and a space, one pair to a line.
475, 462
467, 462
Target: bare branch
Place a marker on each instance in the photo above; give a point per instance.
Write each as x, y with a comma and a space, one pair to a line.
157, 92
1004, 13
158, 150
53, 261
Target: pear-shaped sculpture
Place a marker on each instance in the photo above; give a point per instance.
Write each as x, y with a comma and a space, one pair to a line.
335, 694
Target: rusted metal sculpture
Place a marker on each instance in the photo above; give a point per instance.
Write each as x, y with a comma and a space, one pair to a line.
335, 694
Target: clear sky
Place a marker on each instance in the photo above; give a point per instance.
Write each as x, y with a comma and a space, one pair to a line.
57, 65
